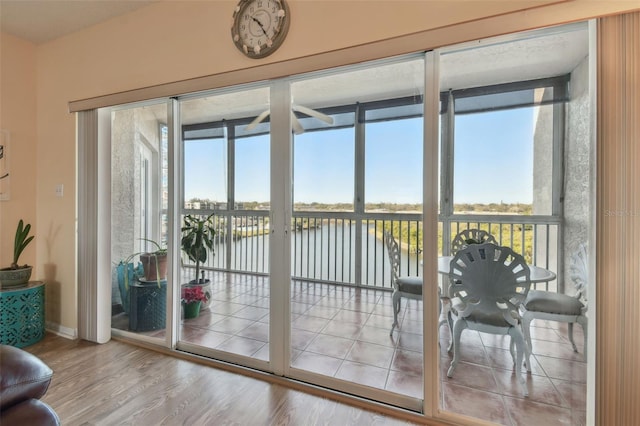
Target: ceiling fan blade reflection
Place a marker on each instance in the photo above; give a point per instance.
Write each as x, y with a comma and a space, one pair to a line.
257, 120
295, 123
313, 113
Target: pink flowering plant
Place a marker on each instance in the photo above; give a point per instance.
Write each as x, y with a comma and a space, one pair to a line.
193, 294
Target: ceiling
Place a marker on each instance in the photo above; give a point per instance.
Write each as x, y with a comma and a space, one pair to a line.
40, 21
529, 55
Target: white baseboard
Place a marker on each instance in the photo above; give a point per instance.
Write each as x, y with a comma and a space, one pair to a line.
66, 332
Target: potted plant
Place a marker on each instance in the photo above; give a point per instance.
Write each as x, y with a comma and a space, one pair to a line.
154, 263
197, 239
192, 299
151, 266
16, 275
143, 288
127, 272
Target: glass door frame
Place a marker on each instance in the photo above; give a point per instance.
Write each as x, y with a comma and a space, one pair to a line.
280, 267
281, 151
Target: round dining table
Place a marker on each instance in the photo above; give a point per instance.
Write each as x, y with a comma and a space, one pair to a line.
538, 274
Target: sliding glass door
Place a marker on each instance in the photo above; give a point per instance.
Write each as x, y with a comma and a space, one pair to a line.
357, 174
280, 202
516, 144
139, 193
298, 180
283, 193
225, 173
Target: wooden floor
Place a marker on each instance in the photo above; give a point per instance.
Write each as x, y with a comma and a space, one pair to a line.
343, 333
121, 384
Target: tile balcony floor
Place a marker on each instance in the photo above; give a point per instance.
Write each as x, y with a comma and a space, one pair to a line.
343, 332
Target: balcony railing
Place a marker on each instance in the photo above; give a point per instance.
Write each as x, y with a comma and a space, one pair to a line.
347, 248
536, 238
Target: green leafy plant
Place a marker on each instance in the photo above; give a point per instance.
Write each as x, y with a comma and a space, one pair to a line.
197, 237
21, 242
159, 250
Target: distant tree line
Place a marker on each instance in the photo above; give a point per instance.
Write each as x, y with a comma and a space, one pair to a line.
515, 208
500, 208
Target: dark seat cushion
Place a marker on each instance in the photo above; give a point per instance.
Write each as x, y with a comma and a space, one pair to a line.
552, 303
412, 285
23, 376
30, 412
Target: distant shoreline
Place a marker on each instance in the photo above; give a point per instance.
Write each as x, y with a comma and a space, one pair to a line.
461, 208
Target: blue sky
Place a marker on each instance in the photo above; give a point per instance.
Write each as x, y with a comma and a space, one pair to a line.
494, 157
493, 163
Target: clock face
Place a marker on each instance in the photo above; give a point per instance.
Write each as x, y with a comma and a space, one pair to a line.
259, 26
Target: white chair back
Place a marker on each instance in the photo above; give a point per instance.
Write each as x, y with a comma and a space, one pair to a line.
489, 280
471, 236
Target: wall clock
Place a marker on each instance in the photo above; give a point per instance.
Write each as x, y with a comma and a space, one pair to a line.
260, 26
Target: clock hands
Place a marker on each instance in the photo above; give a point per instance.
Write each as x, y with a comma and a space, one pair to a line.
260, 24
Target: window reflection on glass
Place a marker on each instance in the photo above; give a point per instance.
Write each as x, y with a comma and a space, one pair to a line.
205, 174
324, 169
252, 170
216, 136
503, 161
393, 158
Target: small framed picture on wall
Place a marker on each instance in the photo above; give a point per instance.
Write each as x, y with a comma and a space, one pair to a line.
4, 165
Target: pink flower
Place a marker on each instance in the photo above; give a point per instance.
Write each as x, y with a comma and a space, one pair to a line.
193, 294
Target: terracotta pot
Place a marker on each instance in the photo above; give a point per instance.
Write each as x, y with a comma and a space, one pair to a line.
148, 261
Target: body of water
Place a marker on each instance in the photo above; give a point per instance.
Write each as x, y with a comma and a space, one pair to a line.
326, 253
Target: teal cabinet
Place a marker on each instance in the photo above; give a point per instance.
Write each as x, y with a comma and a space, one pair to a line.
22, 315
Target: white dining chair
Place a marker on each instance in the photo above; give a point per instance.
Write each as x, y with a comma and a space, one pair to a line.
470, 236
462, 240
552, 306
408, 287
488, 284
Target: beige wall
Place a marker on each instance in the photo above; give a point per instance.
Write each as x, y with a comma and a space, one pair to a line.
18, 117
179, 40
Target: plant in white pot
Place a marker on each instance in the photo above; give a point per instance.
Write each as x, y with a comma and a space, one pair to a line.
16, 275
197, 239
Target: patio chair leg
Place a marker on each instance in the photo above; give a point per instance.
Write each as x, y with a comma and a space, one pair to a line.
575, 348
395, 302
518, 339
583, 321
455, 340
450, 322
